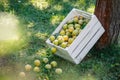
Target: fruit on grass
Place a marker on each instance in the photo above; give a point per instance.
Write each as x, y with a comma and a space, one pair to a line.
28, 67
75, 19
53, 50
45, 60
37, 62
53, 64
52, 38
64, 45
65, 37
62, 32
22, 74
65, 26
36, 69
55, 42
58, 70
48, 66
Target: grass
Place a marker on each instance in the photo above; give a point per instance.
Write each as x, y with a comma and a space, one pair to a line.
36, 23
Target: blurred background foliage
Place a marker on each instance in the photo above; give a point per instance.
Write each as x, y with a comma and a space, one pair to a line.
37, 20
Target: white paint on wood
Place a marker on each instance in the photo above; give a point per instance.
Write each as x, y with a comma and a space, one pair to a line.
84, 41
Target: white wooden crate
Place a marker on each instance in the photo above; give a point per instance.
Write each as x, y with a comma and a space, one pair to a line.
83, 42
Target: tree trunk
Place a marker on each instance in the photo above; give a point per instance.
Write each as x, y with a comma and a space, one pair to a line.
108, 11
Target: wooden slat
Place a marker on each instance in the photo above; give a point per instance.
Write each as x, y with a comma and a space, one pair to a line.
82, 34
90, 45
85, 40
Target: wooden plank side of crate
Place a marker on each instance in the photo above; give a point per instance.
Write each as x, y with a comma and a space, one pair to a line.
60, 51
86, 40
82, 13
93, 40
82, 34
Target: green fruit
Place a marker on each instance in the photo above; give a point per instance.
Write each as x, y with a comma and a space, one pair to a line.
80, 22
77, 25
22, 74
80, 17
54, 64
65, 37
53, 50
55, 42
70, 21
64, 45
28, 67
45, 60
71, 29
65, 26
48, 66
70, 25
37, 62
58, 70
70, 40
68, 34
68, 45
62, 32
36, 69
75, 33
75, 19
52, 38
60, 39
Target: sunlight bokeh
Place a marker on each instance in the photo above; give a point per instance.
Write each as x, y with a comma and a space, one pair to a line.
55, 19
58, 7
8, 27
41, 4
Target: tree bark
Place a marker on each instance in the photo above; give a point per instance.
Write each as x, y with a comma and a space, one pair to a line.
108, 13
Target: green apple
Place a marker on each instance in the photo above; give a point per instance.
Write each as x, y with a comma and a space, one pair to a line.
58, 71
28, 67
36, 69
45, 60
64, 45
65, 37
75, 19
71, 29
69, 34
70, 25
55, 42
80, 17
60, 39
54, 64
22, 74
53, 50
65, 26
70, 40
62, 32
75, 33
48, 66
77, 25
52, 38
70, 21
80, 21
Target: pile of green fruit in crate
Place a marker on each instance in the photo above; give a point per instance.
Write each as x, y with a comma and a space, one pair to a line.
69, 32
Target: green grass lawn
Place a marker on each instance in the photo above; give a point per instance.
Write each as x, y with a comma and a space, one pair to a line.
37, 20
